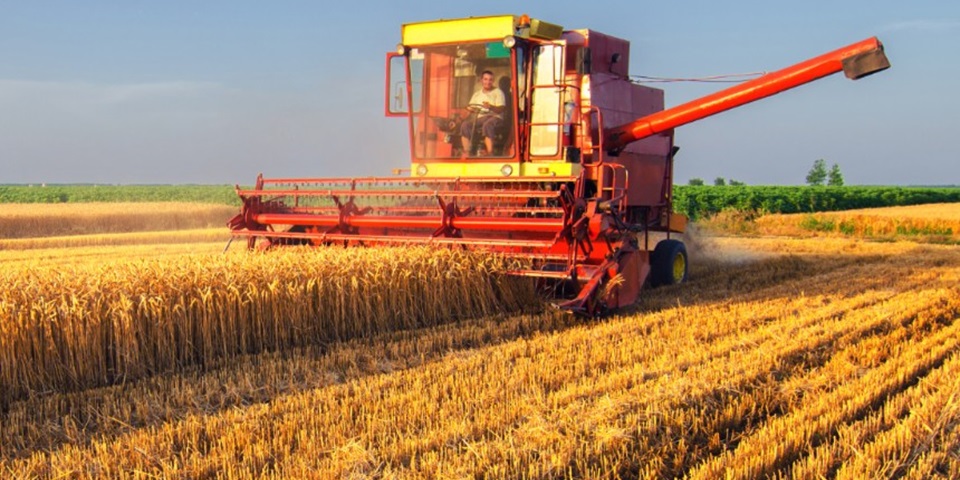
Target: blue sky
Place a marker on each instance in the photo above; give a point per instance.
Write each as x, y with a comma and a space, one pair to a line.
217, 92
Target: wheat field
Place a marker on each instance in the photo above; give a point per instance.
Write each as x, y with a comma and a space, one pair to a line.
70, 327
781, 358
937, 223
34, 220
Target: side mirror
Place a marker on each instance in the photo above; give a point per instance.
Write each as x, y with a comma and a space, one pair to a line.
395, 93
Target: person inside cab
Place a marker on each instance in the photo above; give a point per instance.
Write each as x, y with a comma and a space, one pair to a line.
487, 105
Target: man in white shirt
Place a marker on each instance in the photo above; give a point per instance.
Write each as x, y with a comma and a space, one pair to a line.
488, 103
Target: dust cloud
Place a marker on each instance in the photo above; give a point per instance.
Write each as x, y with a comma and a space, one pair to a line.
703, 248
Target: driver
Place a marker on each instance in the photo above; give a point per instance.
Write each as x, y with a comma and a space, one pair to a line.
489, 102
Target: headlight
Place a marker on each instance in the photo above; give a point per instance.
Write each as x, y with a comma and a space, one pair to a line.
421, 170
401, 49
506, 170
509, 41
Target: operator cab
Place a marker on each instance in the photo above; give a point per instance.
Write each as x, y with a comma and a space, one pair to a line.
443, 80
436, 71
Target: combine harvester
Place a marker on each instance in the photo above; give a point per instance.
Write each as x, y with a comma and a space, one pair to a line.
579, 171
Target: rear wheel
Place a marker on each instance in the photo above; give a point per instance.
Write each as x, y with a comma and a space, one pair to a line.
668, 263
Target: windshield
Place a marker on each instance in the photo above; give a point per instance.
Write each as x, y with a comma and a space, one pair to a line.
465, 100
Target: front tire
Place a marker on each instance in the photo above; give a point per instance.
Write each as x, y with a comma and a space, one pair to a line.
668, 263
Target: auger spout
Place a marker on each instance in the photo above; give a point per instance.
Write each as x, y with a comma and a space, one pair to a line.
856, 61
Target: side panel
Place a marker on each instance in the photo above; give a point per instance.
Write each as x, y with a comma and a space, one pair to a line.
646, 160
607, 54
647, 173
621, 101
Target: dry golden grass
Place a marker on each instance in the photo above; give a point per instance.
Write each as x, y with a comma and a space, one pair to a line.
932, 223
142, 248
54, 220
930, 211
101, 322
74, 242
782, 358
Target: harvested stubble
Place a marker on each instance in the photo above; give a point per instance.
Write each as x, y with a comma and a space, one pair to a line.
87, 325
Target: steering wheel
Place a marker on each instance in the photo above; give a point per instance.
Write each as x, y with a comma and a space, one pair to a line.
476, 108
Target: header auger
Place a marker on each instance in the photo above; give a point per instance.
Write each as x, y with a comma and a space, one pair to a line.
574, 174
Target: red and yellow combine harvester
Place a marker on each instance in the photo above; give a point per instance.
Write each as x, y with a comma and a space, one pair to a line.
575, 174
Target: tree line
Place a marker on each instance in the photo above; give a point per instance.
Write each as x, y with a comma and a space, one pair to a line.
704, 201
817, 176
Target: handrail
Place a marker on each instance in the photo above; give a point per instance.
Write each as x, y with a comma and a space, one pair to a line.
596, 150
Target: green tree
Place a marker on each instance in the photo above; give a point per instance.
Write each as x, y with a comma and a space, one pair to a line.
695, 182
736, 183
835, 178
719, 181
817, 174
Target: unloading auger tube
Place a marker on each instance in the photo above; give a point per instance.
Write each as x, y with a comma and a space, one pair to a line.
857, 60
587, 222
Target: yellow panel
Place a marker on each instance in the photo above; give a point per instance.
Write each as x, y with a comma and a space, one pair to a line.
549, 169
458, 30
493, 169
545, 30
462, 169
